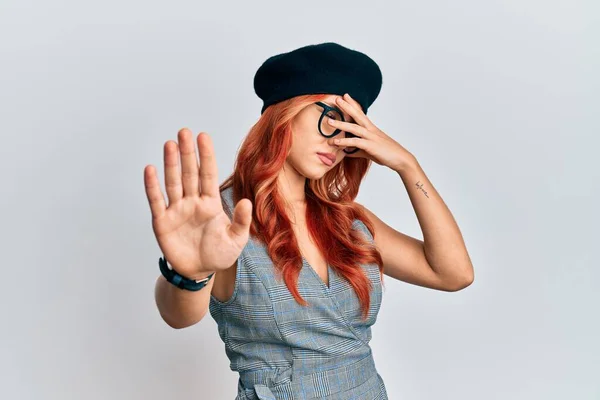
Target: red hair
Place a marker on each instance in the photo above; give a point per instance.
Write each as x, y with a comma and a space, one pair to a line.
330, 209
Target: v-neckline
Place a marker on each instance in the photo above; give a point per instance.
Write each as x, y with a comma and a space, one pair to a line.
329, 274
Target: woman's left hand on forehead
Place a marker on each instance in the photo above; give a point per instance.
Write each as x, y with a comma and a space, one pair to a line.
372, 141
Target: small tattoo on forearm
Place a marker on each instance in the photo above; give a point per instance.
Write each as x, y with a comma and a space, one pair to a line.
419, 186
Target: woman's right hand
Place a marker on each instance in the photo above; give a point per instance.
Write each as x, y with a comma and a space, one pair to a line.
194, 233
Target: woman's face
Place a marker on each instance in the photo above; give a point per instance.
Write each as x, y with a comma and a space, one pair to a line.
307, 142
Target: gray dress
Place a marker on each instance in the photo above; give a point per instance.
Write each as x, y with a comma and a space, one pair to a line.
283, 350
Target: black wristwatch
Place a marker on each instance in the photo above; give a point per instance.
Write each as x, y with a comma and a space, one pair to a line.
180, 281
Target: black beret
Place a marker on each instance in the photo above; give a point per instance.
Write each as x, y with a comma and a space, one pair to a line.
318, 68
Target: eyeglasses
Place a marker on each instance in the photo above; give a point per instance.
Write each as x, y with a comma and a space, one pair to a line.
329, 131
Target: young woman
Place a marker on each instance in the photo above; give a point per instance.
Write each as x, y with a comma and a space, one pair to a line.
289, 265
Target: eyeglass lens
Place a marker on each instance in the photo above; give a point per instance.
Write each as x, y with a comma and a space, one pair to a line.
329, 131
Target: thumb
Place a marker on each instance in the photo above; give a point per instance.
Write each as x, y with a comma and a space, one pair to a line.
242, 217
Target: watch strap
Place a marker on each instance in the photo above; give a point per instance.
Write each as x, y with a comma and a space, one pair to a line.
178, 280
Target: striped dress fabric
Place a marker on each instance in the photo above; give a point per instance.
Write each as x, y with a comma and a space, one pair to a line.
283, 350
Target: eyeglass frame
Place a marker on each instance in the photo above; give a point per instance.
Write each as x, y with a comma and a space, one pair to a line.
326, 109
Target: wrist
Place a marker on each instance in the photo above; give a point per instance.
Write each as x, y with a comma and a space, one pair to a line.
194, 283
201, 275
409, 164
195, 277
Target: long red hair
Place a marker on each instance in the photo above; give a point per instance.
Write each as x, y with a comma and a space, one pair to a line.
330, 207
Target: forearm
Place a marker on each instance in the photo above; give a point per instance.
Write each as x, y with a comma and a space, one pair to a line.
444, 246
181, 308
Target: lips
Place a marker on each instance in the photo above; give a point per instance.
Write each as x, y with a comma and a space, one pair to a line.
331, 156
325, 160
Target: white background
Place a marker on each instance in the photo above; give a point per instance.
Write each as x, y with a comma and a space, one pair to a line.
498, 100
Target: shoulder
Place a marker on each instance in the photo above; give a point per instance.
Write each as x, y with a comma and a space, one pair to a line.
371, 220
227, 200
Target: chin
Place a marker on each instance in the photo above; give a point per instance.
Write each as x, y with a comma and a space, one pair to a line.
314, 173
311, 170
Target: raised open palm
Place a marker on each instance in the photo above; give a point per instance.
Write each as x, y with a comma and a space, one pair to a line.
194, 233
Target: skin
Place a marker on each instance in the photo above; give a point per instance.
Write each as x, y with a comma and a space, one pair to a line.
303, 162
440, 261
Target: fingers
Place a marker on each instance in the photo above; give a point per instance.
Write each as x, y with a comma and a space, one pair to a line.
153, 193
193, 178
242, 217
209, 180
189, 162
349, 127
354, 109
172, 175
